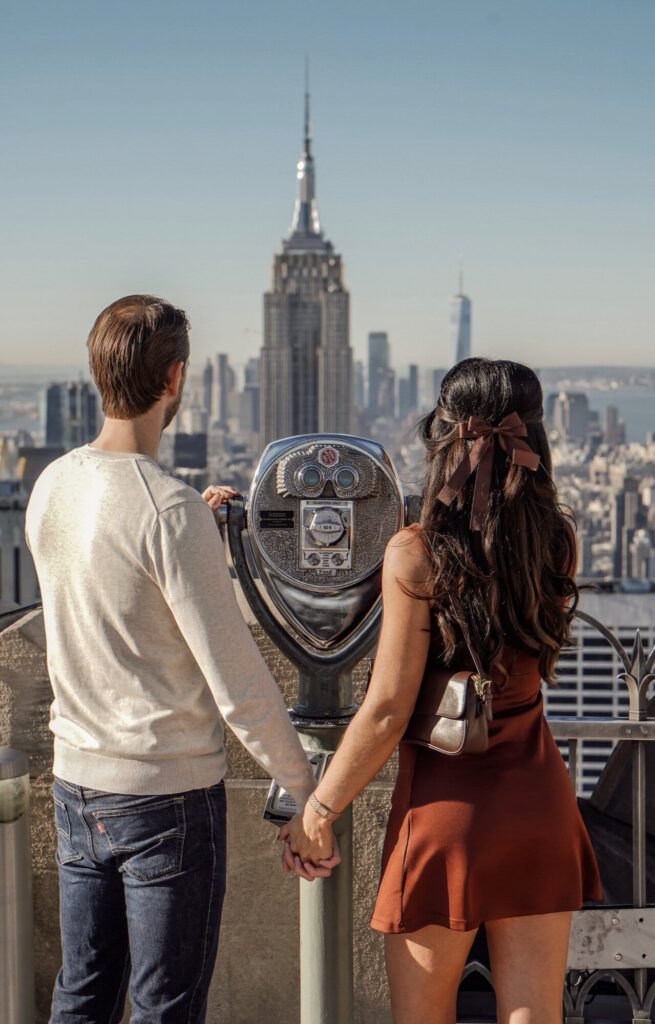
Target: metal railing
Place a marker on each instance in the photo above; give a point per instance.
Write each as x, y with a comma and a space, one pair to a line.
613, 943
18, 611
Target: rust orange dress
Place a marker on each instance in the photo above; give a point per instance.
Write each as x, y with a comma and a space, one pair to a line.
477, 837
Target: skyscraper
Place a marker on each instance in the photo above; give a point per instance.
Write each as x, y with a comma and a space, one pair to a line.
71, 417
408, 395
18, 580
208, 388
413, 386
249, 410
358, 390
626, 516
404, 399
437, 377
306, 359
251, 372
378, 365
460, 324
571, 415
225, 385
249, 401
387, 395
190, 451
614, 429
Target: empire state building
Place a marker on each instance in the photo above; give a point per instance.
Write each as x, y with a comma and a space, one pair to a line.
306, 359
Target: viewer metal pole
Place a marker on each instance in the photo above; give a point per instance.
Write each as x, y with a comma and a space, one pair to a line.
16, 959
326, 904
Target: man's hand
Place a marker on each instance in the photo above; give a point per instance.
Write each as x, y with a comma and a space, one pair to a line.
216, 495
309, 835
293, 865
310, 847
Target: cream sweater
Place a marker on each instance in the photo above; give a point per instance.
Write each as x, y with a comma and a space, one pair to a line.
146, 642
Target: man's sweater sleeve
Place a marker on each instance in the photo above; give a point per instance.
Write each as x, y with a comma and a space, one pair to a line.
188, 563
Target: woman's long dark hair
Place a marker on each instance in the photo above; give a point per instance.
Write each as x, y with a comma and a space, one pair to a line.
514, 577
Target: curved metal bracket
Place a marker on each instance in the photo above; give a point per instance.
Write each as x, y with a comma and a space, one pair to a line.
609, 636
638, 669
649, 1001
477, 967
616, 977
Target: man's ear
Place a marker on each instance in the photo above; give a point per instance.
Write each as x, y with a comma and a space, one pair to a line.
175, 378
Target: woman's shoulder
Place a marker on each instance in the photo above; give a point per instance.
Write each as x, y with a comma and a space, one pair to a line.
407, 556
411, 540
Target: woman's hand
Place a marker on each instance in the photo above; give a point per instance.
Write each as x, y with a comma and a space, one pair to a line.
216, 495
293, 865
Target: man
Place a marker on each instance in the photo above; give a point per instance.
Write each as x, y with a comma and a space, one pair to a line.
145, 645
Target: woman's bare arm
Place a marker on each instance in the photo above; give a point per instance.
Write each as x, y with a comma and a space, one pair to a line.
382, 719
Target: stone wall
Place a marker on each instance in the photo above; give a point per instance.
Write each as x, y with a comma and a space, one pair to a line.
256, 977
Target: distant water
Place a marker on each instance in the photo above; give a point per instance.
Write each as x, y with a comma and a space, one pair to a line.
636, 408
22, 394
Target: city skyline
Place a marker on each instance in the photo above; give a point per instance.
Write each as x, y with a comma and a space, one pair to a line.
149, 151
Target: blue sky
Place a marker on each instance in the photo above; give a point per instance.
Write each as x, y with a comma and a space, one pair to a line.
150, 146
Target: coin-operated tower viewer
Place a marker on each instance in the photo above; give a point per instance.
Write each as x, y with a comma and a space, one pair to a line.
307, 547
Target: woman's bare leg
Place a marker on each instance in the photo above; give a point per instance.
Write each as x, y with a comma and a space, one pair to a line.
425, 969
528, 965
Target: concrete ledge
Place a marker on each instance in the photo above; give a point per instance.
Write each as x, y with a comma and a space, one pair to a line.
256, 977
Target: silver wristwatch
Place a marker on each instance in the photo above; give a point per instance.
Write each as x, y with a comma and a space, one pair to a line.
324, 811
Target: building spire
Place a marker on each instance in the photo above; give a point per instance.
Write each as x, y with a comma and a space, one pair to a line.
308, 120
305, 231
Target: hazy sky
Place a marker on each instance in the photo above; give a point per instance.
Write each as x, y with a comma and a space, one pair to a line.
150, 146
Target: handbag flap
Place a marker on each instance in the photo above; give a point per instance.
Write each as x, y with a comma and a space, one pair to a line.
443, 693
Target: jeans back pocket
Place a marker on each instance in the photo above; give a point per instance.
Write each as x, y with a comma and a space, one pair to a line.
66, 852
146, 835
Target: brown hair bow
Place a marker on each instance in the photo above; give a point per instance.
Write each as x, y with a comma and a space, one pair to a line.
479, 460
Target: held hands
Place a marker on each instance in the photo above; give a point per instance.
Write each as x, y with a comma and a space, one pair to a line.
310, 846
216, 495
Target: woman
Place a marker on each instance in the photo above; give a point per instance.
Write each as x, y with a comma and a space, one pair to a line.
493, 838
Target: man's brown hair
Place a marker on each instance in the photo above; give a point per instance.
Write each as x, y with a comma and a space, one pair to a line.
131, 347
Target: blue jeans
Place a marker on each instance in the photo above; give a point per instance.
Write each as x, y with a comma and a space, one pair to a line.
141, 886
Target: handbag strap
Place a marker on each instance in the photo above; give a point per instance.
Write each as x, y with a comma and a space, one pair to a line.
461, 622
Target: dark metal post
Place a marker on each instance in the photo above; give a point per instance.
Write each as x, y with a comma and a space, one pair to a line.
16, 958
639, 844
573, 764
637, 680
